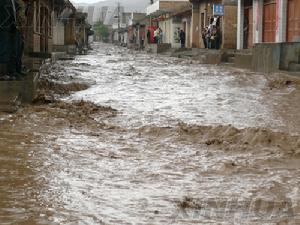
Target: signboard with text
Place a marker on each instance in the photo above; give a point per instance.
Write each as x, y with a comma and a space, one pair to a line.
218, 10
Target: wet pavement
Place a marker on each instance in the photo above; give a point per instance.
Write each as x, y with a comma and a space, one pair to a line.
153, 140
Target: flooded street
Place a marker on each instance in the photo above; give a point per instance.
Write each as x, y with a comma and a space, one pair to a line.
148, 140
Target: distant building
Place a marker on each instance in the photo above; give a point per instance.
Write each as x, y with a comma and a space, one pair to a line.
103, 13
91, 11
64, 29
112, 15
137, 30
80, 9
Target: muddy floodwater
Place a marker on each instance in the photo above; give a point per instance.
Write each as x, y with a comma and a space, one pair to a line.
122, 137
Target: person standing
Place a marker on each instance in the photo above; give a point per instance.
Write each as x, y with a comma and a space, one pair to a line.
156, 36
207, 37
203, 33
149, 36
20, 34
213, 38
218, 37
7, 34
182, 38
161, 36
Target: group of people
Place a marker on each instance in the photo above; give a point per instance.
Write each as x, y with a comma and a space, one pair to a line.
13, 15
159, 35
211, 36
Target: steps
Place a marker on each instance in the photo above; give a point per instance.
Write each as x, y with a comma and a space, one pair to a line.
11, 104
231, 59
295, 66
158, 48
13, 93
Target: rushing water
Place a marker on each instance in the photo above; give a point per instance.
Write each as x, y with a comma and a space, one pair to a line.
188, 144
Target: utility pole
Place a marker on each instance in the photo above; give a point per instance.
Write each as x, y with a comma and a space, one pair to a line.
118, 21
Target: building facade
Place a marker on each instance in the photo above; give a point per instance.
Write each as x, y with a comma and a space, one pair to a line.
171, 16
39, 33
267, 21
64, 28
223, 13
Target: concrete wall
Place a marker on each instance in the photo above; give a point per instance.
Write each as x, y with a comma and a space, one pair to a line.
271, 57
70, 49
12, 93
243, 60
159, 48
290, 52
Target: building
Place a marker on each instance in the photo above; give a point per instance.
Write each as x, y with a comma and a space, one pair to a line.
120, 25
39, 33
185, 16
53, 26
103, 13
64, 28
91, 11
271, 30
221, 13
137, 30
267, 21
169, 16
82, 31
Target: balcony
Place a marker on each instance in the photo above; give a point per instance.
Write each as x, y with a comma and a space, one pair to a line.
160, 7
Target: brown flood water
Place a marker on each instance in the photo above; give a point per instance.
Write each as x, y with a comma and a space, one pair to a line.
145, 139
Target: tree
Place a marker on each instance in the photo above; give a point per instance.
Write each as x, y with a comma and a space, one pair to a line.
101, 31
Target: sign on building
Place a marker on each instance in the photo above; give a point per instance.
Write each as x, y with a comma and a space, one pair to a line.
218, 10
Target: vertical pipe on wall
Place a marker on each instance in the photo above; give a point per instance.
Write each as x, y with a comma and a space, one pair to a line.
258, 9
281, 20
240, 25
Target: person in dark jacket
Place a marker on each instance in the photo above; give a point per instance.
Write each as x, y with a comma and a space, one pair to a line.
12, 29
182, 38
7, 37
149, 36
20, 34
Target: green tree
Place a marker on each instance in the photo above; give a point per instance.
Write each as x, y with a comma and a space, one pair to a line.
101, 31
